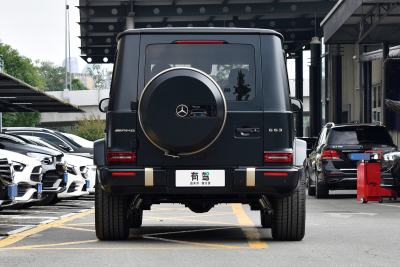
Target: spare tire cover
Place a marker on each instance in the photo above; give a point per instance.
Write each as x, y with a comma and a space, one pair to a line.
182, 111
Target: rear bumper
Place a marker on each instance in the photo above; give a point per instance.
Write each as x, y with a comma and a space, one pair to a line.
246, 181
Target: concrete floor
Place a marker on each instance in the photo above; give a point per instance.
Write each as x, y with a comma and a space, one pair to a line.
339, 232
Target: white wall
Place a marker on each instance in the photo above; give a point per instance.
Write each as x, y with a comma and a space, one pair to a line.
86, 100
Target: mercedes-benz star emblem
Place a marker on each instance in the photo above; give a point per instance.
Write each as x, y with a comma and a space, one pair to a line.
182, 110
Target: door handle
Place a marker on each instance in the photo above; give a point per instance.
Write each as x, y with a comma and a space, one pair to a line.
247, 132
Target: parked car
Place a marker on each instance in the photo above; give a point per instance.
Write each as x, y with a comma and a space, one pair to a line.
78, 140
54, 169
332, 165
54, 137
83, 166
311, 141
199, 116
28, 177
8, 188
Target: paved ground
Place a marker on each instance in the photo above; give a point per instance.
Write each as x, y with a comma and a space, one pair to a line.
340, 232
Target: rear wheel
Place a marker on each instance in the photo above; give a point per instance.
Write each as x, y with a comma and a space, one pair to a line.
111, 216
288, 220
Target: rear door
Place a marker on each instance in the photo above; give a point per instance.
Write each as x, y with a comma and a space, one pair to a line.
234, 64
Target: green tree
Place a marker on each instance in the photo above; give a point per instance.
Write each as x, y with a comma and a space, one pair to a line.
52, 75
242, 89
22, 68
99, 75
90, 128
77, 84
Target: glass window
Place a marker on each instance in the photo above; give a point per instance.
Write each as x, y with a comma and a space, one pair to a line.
231, 65
360, 135
51, 139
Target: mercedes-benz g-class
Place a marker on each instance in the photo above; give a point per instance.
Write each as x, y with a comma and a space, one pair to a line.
199, 116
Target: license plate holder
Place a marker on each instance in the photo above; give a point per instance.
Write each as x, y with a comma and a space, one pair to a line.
12, 191
65, 177
200, 178
39, 188
359, 156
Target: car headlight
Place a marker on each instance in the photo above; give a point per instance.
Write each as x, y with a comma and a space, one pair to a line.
18, 166
43, 158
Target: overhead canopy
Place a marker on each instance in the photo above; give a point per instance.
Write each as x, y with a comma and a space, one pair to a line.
363, 21
102, 20
17, 96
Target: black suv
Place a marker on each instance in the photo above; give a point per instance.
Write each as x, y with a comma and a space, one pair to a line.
332, 165
198, 116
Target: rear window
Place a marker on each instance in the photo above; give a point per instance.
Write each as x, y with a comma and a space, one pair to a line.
359, 136
231, 65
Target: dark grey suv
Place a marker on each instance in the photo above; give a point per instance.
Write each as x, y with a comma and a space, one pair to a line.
198, 116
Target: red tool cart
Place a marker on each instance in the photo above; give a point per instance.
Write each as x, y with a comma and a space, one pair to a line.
369, 183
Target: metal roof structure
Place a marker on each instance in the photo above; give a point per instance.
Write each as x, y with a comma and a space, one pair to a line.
363, 22
102, 20
17, 96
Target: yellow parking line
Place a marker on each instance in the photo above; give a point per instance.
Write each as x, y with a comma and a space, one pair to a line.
121, 248
53, 245
200, 244
248, 227
40, 228
74, 228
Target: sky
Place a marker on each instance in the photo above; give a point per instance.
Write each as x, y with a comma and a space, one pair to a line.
36, 28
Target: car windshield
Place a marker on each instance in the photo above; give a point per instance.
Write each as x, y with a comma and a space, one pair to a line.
12, 139
359, 136
77, 140
40, 142
231, 65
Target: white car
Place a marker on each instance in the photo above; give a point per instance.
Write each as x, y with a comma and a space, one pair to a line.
79, 140
76, 166
27, 175
8, 189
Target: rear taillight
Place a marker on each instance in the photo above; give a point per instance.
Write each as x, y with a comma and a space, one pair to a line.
122, 157
278, 157
330, 154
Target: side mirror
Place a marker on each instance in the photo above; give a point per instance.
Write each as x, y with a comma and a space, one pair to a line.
66, 148
296, 105
103, 105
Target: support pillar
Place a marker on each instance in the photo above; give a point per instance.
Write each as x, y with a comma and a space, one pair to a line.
337, 85
299, 90
130, 21
315, 87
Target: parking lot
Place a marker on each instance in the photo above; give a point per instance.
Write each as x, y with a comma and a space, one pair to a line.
339, 232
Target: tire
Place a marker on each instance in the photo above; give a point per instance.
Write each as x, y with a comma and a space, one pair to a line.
289, 218
195, 118
266, 219
49, 199
321, 190
135, 219
111, 216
